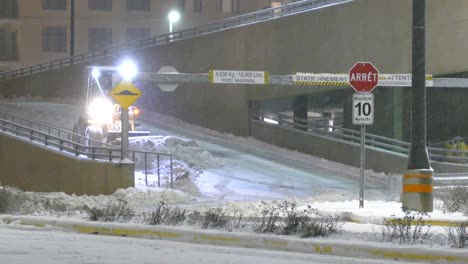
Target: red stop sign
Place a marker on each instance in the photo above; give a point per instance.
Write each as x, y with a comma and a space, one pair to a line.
363, 77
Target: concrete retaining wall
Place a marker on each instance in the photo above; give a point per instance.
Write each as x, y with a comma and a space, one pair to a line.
333, 149
36, 168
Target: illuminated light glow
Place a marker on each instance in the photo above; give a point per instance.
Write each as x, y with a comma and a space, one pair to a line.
128, 70
100, 111
136, 111
271, 121
95, 73
173, 16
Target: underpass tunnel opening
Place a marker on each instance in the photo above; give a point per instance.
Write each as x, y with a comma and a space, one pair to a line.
323, 110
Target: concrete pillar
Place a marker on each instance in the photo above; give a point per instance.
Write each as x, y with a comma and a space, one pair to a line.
398, 118
300, 111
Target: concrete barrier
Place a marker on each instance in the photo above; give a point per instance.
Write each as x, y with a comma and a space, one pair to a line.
339, 150
32, 167
349, 248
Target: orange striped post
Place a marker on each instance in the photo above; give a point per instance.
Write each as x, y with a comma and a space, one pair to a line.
417, 190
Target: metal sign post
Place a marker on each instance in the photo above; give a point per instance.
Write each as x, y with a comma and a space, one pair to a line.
363, 166
125, 93
363, 114
124, 126
363, 78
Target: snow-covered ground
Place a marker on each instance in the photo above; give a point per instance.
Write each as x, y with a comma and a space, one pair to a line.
216, 169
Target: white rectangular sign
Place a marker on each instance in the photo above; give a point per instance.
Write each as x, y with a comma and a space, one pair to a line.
402, 80
363, 109
239, 77
320, 78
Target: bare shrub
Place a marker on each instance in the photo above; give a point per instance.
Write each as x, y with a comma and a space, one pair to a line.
269, 218
293, 219
5, 200
320, 226
163, 214
286, 219
194, 217
214, 218
118, 212
176, 217
458, 235
455, 199
236, 220
411, 228
158, 216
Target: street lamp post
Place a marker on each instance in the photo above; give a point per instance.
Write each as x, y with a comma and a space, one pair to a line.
173, 17
418, 180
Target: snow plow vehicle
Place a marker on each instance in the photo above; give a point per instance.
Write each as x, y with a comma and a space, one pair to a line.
100, 120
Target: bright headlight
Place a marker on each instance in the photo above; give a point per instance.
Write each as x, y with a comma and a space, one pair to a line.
100, 111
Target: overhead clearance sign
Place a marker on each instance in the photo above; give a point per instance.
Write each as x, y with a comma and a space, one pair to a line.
239, 77
342, 79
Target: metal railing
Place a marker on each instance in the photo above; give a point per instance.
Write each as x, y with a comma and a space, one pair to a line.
354, 136
255, 17
69, 142
160, 159
450, 179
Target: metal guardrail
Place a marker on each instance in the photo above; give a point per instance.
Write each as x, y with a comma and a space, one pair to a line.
450, 179
251, 18
69, 142
354, 136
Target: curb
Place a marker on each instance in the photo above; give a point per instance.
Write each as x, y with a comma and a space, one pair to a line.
271, 242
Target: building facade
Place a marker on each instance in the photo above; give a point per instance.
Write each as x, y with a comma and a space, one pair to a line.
35, 31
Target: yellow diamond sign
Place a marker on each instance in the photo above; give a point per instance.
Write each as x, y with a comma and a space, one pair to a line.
125, 93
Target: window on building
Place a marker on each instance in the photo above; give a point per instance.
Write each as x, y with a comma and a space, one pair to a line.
138, 5
235, 6
99, 38
276, 3
100, 5
181, 5
137, 33
228, 6
54, 39
54, 4
2, 44
197, 6
13, 46
8, 46
8, 8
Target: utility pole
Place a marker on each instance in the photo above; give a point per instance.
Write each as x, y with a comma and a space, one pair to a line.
418, 180
72, 27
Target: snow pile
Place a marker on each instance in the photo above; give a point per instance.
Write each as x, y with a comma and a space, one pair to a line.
188, 151
58, 203
188, 160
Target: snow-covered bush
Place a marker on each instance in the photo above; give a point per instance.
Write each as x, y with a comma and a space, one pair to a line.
458, 235
286, 219
410, 229
269, 216
214, 218
5, 198
163, 214
455, 199
320, 226
118, 212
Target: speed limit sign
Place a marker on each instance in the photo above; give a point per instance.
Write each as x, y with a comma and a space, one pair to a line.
363, 109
